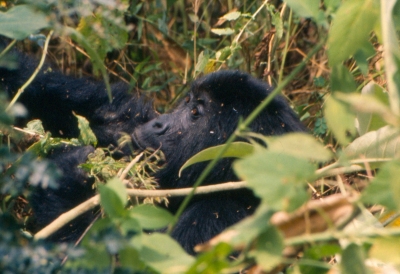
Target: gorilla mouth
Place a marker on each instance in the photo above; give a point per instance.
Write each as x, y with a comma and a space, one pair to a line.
135, 141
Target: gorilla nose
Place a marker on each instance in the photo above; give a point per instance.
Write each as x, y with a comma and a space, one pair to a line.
160, 125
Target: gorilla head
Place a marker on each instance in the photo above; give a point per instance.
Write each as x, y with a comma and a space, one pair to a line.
206, 117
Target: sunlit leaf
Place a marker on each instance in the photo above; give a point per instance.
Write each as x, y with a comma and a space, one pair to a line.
269, 246
225, 31
385, 187
236, 150
340, 119
233, 15
276, 177
20, 21
368, 120
381, 144
300, 145
304, 8
164, 254
151, 217
86, 135
350, 29
113, 197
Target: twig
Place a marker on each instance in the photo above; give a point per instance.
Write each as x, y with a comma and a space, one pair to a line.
35, 73
129, 166
70, 215
8, 48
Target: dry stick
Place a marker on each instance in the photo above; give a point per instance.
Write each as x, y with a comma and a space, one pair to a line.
35, 73
68, 216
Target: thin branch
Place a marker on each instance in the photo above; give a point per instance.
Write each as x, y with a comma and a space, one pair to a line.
186, 191
70, 215
129, 166
35, 73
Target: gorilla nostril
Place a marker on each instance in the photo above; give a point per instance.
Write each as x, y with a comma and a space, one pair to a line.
159, 127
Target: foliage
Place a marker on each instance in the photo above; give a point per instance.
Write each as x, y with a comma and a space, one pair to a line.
348, 94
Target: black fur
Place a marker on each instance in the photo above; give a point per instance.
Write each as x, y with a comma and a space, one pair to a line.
206, 117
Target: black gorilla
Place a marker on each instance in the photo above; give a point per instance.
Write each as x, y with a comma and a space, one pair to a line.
206, 117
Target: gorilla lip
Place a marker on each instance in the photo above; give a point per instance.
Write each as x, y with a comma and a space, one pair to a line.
135, 141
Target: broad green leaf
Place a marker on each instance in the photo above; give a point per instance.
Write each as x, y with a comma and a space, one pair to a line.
21, 21
304, 8
352, 261
269, 247
35, 126
151, 217
300, 145
316, 253
386, 249
385, 187
129, 258
391, 53
202, 61
225, 31
233, 15
213, 261
223, 54
369, 121
164, 254
86, 135
236, 150
245, 231
113, 197
342, 80
339, 119
362, 55
278, 178
351, 28
383, 144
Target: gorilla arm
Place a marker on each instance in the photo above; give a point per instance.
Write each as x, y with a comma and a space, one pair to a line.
53, 97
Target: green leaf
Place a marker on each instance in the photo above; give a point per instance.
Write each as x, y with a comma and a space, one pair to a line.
164, 254
310, 148
86, 135
342, 80
391, 52
352, 261
21, 21
385, 187
151, 217
35, 126
213, 261
225, 31
233, 15
236, 150
269, 247
368, 120
339, 119
383, 144
278, 178
304, 8
202, 62
350, 29
113, 197
316, 253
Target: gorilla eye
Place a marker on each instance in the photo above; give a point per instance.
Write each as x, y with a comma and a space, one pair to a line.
195, 112
187, 99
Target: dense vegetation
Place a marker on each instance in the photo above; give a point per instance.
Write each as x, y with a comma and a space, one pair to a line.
329, 199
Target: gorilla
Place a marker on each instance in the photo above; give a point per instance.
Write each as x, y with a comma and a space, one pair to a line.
206, 117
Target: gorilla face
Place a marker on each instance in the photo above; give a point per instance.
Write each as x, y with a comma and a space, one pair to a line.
191, 127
